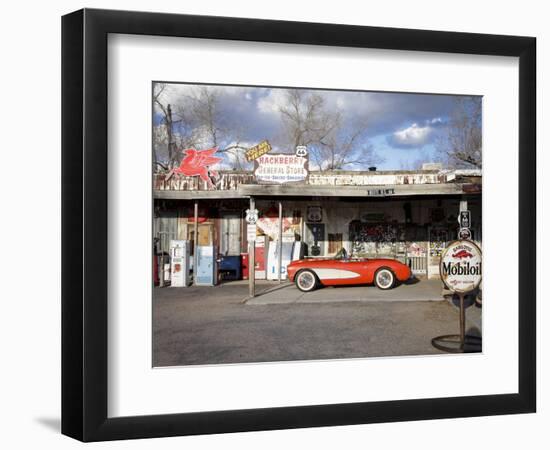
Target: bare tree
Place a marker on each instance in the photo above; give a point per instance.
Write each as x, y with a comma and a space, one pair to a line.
192, 120
164, 132
212, 128
159, 132
332, 145
461, 142
304, 118
344, 148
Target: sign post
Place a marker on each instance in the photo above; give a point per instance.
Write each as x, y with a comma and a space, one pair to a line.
460, 271
252, 217
280, 242
195, 240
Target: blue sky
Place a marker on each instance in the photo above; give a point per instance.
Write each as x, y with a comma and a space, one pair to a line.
400, 128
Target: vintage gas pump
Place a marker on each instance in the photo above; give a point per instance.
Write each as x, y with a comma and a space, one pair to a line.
180, 263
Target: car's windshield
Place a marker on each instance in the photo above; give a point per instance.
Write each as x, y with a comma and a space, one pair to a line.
342, 254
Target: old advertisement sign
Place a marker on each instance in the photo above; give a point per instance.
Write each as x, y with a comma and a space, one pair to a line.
258, 150
280, 168
460, 267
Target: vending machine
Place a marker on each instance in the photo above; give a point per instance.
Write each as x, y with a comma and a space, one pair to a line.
207, 266
299, 250
273, 259
260, 257
180, 263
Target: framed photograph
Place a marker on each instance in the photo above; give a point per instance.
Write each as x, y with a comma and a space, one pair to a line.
266, 224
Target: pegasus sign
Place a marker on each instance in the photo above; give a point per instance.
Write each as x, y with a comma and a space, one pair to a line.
197, 163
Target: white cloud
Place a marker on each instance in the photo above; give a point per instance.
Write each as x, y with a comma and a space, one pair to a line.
270, 103
413, 136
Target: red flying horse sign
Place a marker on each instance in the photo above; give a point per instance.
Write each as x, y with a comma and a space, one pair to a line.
197, 163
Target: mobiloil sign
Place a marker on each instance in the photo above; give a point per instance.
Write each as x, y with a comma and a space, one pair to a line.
460, 266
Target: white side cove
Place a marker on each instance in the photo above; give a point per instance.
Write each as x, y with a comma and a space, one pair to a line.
333, 274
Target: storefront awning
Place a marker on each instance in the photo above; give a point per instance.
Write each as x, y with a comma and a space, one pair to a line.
300, 190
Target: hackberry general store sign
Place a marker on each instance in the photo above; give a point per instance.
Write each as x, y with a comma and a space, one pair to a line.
460, 266
280, 168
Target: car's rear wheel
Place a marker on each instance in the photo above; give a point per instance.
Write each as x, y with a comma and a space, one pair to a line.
306, 280
384, 278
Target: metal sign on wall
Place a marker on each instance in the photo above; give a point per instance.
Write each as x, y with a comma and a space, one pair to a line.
464, 233
268, 223
464, 219
314, 214
460, 266
251, 232
281, 168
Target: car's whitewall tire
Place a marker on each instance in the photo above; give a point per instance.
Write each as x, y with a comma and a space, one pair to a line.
384, 278
306, 280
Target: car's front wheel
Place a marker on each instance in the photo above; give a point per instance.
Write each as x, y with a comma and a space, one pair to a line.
306, 280
384, 278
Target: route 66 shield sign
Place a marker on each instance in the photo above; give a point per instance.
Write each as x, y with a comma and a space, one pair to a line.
251, 216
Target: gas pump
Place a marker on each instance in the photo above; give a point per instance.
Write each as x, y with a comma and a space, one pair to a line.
180, 263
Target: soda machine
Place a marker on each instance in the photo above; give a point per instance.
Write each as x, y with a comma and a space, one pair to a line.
207, 266
299, 250
273, 259
260, 257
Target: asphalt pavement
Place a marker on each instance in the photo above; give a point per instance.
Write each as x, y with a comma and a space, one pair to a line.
201, 325
414, 290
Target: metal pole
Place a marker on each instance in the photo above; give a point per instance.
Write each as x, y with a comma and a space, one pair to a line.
463, 206
280, 243
195, 240
462, 321
251, 259
161, 262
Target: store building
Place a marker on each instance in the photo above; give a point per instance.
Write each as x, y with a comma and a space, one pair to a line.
407, 215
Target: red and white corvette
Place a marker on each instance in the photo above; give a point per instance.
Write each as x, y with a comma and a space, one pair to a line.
308, 274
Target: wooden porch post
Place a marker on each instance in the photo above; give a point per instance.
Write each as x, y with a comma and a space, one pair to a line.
195, 240
251, 259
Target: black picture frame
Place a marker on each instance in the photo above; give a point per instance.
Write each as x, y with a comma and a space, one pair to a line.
84, 224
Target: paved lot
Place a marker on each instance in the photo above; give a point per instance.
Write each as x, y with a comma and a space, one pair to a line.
425, 290
212, 325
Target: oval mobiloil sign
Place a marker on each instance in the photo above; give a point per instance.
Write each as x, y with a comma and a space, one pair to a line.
460, 266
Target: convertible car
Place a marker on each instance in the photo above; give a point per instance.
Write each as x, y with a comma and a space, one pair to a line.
310, 273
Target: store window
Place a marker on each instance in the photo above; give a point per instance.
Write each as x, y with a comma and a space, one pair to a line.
165, 229
230, 239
